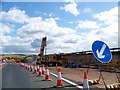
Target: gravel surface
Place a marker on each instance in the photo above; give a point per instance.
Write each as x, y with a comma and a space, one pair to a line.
76, 75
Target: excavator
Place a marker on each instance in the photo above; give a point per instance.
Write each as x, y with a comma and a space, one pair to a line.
48, 59
42, 48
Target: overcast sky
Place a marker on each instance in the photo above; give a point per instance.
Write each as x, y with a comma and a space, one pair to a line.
68, 26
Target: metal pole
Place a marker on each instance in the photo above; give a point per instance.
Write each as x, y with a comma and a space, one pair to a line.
89, 64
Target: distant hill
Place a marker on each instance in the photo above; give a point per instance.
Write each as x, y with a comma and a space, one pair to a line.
19, 57
29, 59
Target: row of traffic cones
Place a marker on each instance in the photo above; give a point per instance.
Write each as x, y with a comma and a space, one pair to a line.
41, 71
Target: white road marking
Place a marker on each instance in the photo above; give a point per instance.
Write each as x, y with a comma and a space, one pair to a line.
100, 54
68, 81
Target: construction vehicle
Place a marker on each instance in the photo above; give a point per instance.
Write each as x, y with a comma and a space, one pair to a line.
42, 49
114, 63
53, 59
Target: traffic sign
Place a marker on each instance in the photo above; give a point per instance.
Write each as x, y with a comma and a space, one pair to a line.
101, 51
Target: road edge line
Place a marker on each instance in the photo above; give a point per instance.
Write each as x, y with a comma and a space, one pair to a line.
68, 81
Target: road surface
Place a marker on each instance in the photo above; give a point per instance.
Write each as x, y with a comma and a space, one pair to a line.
15, 76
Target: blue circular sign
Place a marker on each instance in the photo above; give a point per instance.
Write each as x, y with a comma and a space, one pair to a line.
101, 51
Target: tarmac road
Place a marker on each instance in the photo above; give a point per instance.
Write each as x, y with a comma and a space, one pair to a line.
14, 76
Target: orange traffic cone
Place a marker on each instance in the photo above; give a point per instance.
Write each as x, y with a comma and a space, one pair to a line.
31, 68
21, 64
43, 70
47, 77
56, 65
35, 68
28, 67
25, 65
85, 82
59, 79
40, 71
38, 68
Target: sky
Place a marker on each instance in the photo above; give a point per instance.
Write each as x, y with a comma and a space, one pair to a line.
69, 26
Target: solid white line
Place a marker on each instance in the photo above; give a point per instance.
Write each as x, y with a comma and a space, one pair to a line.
68, 81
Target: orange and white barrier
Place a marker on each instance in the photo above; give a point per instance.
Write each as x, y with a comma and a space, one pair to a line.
23, 65
31, 68
35, 69
47, 77
43, 70
27, 67
38, 68
40, 71
85, 82
59, 79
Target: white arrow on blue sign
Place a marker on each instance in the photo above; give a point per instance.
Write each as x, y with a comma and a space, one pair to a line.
101, 51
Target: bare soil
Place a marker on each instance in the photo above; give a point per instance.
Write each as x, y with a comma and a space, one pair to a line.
76, 75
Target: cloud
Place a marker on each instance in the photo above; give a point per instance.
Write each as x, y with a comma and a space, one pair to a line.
9, 40
37, 25
87, 10
71, 39
57, 37
71, 22
39, 13
36, 43
51, 15
1, 49
87, 25
62, 39
70, 1
17, 49
12, 45
71, 8
108, 32
4, 40
42, 28
108, 17
5, 29
104, 28
14, 15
